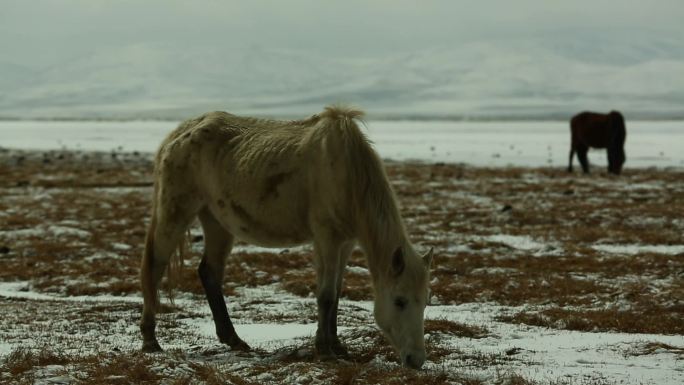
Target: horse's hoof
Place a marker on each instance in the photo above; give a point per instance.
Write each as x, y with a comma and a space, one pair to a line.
340, 350
237, 344
241, 347
151, 347
326, 356
325, 353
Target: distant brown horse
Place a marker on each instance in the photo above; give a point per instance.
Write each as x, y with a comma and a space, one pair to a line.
591, 129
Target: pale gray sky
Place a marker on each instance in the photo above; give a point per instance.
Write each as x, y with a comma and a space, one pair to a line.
40, 33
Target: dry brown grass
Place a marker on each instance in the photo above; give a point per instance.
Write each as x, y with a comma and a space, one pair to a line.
647, 319
458, 329
354, 374
657, 347
119, 369
213, 376
574, 286
22, 360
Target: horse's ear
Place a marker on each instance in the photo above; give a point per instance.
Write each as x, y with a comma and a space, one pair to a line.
427, 258
398, 263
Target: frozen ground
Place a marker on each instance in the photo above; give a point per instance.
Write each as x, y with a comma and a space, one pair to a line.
537, 354
541, 277
649, 143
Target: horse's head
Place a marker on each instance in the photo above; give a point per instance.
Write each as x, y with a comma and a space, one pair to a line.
400, 304
616, 147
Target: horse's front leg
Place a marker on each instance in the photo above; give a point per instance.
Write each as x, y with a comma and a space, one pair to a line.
328, 256
345, 251
217, 245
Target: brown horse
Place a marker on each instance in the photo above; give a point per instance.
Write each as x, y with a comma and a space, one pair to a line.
591, 129
277, 183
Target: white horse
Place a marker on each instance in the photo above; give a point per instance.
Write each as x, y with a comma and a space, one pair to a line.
282, 183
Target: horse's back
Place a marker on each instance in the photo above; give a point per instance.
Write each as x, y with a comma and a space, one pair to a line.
590, 129
264, 180
242, 169
588, 118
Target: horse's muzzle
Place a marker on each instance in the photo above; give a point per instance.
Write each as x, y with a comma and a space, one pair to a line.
413, 360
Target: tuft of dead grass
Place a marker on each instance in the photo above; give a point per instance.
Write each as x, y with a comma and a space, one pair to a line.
118, 369
649, 348
457, 329
22, 360
652, 319
357, 374
211, 375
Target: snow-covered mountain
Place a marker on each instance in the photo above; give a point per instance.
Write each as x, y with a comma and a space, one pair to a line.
505, 78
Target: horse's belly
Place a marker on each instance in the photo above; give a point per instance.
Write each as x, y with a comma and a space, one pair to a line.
276, 221
270, 226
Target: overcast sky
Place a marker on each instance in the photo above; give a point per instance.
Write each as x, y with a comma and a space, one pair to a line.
44, 32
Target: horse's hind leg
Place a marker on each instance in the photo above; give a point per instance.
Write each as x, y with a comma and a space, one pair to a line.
572, 154
217, 245
165, 233
582, 156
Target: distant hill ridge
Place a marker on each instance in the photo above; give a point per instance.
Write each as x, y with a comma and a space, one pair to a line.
543, 78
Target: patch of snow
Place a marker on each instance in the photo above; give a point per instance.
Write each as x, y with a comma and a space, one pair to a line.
493, 270
358, 270
102, 255
460, 248
121, 246
22, 290
547, 354
633, 249
41, 230
21, 233
6, 348
520, 242
68, 222
253, 249
68, 231
258, 334
642, 186
540, 354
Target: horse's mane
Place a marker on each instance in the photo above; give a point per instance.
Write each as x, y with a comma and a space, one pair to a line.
379, 226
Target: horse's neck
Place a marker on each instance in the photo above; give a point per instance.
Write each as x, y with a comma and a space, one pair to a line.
379, 227
381, 233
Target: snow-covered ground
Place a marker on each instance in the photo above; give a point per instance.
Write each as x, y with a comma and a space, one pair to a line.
535, 143
511, 241
539, 354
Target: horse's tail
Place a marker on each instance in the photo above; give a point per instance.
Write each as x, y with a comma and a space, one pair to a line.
175, 267
147, 270
149, 274
573, 142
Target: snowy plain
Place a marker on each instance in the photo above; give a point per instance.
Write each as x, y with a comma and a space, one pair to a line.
540, 354
494, 144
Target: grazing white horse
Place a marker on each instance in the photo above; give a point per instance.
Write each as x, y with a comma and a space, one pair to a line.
282, 183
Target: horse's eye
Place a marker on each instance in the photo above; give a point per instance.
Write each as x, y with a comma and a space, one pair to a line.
400, 302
